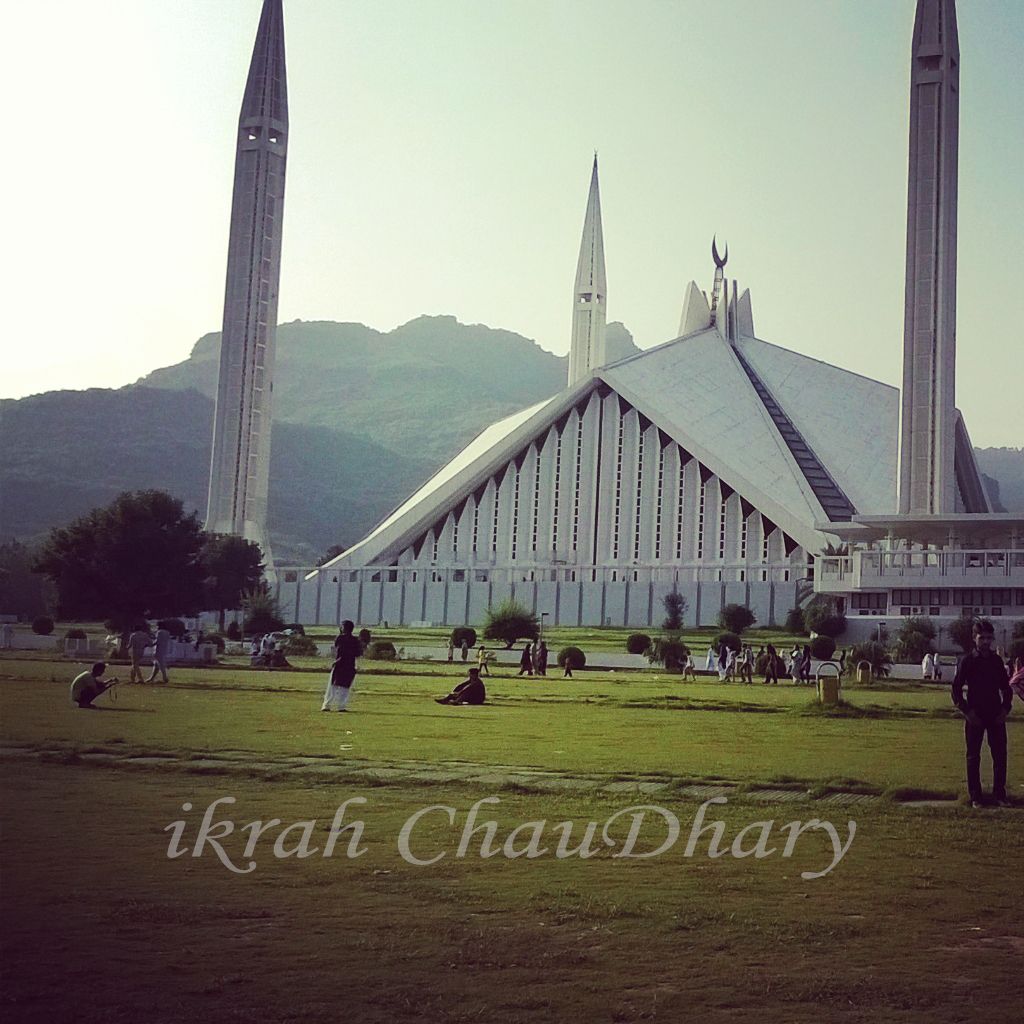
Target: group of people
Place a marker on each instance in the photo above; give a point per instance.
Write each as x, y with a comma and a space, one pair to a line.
264, 651
534, 660
139, 640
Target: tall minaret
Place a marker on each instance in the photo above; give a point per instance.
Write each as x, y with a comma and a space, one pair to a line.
588, 351
927, 478
240, 468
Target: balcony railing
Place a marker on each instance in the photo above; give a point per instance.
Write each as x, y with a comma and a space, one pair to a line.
866, 569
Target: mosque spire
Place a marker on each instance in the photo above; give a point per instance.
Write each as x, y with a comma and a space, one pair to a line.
588, 350
927, 483
240, 466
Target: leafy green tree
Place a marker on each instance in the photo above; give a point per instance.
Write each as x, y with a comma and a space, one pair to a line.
961, 632
260, 611
668, 651
914, 639
136, 558
509, 622
22, 592
574, 656
231, 567
795, 622
735, 618
675, 608
637, 643
822, 615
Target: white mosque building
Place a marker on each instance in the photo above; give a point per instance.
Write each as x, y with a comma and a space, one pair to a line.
718, 465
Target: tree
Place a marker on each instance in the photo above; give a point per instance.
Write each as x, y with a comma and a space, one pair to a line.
735, 618
875, 654
914, 639
668, 651
637, 643
822, 615
509, 622
961, 632
675, 608
137, 557
22, 592
795, 622
260, 611
231, 567
332, 552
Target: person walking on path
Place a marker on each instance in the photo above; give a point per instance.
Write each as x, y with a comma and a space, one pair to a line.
526, 662
469, 691
689, 668
161, 646
451, 649
138, 641
805, 665
465, 650
87, 686
771, 668
541, 666
711, 661
981, 691
343, 672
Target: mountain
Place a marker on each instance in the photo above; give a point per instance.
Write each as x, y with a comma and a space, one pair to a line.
66, 452
1005, 466
361, 418
448, 379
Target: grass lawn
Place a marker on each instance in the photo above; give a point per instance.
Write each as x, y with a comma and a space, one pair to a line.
921, 920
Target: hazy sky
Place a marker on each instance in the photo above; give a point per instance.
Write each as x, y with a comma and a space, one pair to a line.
439, 161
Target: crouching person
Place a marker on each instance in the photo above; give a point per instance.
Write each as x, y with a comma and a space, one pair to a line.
469, 691
89, 685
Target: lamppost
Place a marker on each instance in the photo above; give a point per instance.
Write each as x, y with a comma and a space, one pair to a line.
543, 616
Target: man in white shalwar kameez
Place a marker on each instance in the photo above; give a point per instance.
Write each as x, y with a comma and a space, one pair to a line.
343, 671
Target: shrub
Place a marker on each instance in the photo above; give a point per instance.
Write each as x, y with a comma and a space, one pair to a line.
365, 637
296, 627
380, 650
234, 631
173, 626
637, 643
822, 615
795, 622
731, 640
467, 633
75, 634
823, 647
735, 618
668, 651
300, 645
217, 639
675, 607
509, 622
574, 656
42, 625
873, 653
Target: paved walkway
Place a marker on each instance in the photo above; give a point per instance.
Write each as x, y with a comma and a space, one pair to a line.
327, 768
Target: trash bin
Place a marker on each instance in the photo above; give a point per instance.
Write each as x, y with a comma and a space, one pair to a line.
827, 679
864, 673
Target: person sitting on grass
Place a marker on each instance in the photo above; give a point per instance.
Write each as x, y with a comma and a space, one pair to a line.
88, 685
469, 691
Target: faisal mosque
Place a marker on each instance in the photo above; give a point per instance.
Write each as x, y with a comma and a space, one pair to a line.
719, 465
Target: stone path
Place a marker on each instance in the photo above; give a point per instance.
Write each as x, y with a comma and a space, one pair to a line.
320, 769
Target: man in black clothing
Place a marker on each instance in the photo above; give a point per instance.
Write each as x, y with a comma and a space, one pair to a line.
339, 684
469, 691
985, 705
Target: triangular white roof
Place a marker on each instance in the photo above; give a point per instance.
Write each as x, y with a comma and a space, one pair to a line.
697, 391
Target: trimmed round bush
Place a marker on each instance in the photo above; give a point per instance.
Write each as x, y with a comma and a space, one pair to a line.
75, 634
296, 627
822, 615
668, 651
731, 640
234, 631
467, 633
795, 622
823, 647
380, 650
299, 645
217, 639
173, 626
365, 637
573, 656
42, 625
637, 643
734, 618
